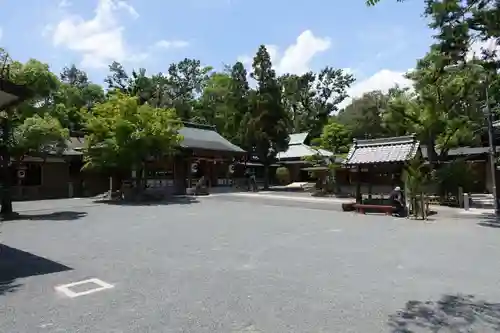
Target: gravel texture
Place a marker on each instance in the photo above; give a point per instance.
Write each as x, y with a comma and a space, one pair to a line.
225, 264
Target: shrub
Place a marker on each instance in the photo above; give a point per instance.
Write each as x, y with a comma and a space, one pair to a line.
283, 175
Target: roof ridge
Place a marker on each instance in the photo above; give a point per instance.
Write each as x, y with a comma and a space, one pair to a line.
406, 139
395, 149
298, 138
199, 126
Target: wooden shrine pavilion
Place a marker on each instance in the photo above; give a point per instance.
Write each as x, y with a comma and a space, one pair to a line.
376, 165
204, 152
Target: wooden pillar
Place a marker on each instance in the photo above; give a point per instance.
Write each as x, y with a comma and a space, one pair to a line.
358, 185
214, 173
179, 169
370, 184
189, 172
208, 172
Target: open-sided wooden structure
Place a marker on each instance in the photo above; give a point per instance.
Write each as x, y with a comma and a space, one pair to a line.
295, 157
379, 162
204, 152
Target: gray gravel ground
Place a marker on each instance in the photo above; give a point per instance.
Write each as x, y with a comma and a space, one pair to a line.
225, 265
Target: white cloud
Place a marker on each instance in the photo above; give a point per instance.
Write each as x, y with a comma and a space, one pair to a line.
478, 47
1, 33
47, 30
127, 7
172, 44
296, 58
386, 78
382, 80
245, 60
64, 4
100, 39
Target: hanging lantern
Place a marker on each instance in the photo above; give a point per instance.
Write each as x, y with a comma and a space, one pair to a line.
194, 167
231, 168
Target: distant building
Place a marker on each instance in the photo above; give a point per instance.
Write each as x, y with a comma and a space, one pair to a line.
294, 158
202, 152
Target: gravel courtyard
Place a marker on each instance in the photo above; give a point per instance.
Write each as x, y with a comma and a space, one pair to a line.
221, 265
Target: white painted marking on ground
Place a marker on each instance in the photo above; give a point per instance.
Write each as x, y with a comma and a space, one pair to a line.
65, 288
334, 230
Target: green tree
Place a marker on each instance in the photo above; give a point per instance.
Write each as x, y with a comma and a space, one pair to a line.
445, 111
460, 27
311, 98
374, 2
268, 123
30, 128
363, 116
239, 95
402, 113
136, 84
75, 96
74, 76
213, 106
186, 80
118, 79
331, 86
335, 137
179, 88
298, 100
124, 134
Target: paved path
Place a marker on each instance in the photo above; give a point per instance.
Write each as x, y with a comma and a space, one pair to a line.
54, 204
218, 265
265, 197
306, 197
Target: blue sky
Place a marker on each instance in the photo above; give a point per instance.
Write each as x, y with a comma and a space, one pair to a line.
377, 44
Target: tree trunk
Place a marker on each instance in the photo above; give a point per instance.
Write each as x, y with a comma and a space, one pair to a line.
432, 156
266, 176
434, 164
7, 177
6, 187
423, 206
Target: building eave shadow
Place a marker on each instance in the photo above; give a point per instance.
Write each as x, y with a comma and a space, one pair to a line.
16, 264
178, 200
55, 216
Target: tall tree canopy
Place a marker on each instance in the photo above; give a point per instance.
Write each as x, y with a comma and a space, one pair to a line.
311, 98
124, 133
268, 122
32, 127
139, 112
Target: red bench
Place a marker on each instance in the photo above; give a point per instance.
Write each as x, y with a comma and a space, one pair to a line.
361, 208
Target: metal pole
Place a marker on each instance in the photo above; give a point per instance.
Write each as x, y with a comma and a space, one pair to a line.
493, 154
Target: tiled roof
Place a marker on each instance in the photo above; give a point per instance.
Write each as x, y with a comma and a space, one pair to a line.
298, 138
206, 138
74, 146
11, 94
301, 150
396, 149
194, 137
459, 151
